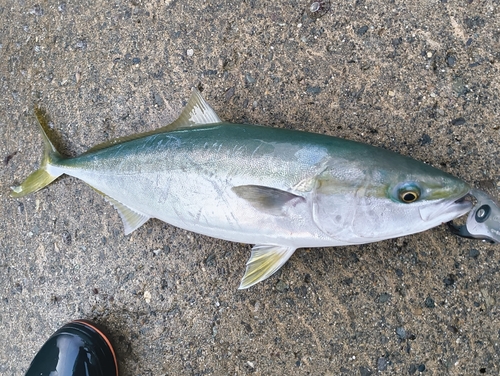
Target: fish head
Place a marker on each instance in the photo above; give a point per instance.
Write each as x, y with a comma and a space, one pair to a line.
420, 203
372, 203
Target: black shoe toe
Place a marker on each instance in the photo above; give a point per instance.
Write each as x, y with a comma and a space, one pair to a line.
79, 348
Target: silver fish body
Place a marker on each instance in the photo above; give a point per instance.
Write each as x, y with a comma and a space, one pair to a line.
276, 188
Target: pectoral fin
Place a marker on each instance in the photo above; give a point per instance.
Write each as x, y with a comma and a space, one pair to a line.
266, 199
264, 262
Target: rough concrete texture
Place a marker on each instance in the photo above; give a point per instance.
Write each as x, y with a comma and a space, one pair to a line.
418, 78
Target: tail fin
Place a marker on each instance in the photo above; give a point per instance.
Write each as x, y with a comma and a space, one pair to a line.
41, 177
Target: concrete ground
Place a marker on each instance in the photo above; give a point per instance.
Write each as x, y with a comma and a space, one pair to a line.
420, 78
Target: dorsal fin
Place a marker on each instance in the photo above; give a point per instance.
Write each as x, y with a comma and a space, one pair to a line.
197, 113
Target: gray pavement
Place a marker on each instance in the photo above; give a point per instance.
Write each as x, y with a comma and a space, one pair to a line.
421, 79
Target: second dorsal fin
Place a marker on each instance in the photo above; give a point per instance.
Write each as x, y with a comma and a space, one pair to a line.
197, 113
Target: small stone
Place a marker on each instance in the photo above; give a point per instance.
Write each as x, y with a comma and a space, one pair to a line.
210, 260
451, 60
458, 121
429, 302
249, 79
365, 65
8, 158
413, 369
248, 327
429, 54
66, 237
362, 30
396, 42
474, 22
348, 281
383, 298
281, 286
37, 10
318, 9
488, 299
147, 296
401, 332
315, 6
81, 44
449, 281
391, 93
474, 253
157, 100
136, 60
421, 368
382, 363
425, 139
229, 93
313, 90
453, 329
190, 52
364, 371
301, 291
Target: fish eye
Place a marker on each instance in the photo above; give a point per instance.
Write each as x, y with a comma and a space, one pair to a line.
408, 193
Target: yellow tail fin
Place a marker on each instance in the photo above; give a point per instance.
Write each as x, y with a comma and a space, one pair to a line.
41, 177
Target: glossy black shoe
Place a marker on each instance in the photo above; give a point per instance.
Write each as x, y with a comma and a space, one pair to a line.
79, 348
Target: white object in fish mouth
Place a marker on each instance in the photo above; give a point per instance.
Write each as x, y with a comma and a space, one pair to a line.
445, 211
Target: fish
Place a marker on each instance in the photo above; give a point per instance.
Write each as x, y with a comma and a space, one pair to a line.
277, 189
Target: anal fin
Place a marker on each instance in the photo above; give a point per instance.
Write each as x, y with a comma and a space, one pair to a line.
264, 261
131, 218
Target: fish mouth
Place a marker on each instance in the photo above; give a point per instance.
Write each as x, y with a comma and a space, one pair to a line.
446, 210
